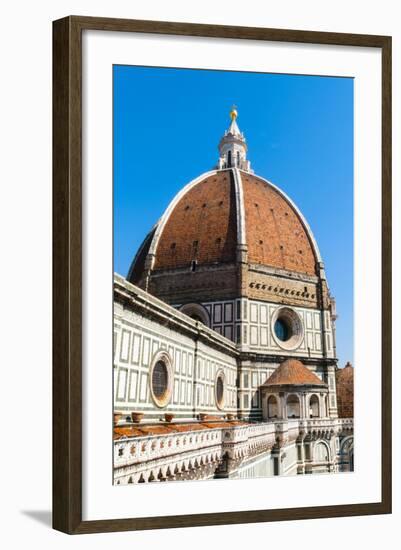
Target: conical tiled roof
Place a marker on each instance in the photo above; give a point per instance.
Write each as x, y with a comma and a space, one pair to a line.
292, 372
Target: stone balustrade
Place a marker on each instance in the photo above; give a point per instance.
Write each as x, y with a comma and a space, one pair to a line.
200, 453
135, 450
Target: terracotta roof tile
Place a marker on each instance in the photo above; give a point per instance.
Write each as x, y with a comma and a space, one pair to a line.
275, 234
140, 430
202, 225
292, 372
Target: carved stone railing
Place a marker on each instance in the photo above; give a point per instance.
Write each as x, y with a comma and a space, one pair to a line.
335, 424
134, 450
200, 453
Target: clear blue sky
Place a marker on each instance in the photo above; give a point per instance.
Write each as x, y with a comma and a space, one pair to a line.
299, 130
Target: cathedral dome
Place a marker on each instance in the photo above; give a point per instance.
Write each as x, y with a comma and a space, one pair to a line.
226, 217
213, 216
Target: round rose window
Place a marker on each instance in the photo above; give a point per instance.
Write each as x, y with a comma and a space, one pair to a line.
219, 388
287, 328
161, 379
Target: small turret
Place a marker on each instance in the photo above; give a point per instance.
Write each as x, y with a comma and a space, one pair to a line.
232, 147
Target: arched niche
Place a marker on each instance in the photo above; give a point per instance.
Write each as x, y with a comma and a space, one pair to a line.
293, 406
347, 453
196, 312
321, 452
272, 407
314, 406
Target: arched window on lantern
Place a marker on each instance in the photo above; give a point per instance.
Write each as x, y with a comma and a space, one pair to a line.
314, 407
293, 406
272, 407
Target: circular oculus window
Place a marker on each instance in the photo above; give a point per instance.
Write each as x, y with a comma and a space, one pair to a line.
161, 379
282, 330
287, 328
219, 390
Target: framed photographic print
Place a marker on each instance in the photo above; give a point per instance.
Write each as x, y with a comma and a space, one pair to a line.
222, 275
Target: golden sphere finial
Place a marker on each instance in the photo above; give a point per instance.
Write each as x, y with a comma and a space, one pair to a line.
233, 112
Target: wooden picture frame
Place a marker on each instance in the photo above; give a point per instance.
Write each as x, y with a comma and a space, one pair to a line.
67, 274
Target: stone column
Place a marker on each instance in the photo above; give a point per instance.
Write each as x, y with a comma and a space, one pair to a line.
322, 413
308, 454
301, 456
264, 396
282, 413
304, 406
